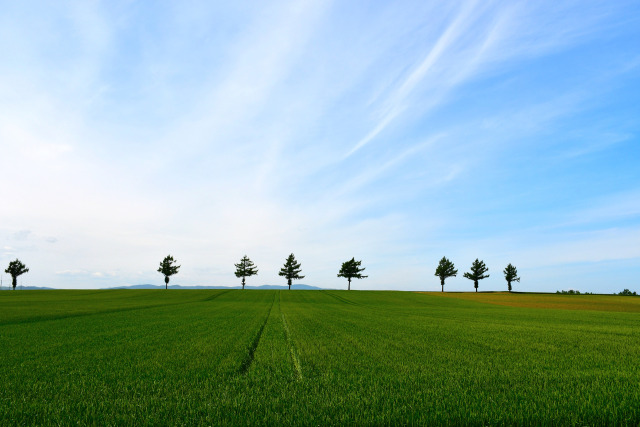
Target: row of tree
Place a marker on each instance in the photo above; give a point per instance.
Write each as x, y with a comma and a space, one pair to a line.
350, 270
478, 272
291, 270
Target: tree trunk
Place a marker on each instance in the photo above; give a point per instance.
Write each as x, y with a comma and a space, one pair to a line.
243, 283
349, 287
289, 283
166, 282
14, 282
442, 284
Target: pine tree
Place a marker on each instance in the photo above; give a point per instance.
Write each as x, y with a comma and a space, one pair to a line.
245, 268
477, 272
351, 270
291, 270
16, 268
444, 270
168, 268
511, 275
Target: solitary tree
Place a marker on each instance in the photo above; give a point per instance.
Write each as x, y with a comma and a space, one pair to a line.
351, 270
291, 270
245, 268
511, 275
444, 270
15, 269
168, 268
477, 272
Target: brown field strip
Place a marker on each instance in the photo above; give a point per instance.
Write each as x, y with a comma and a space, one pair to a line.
552, 301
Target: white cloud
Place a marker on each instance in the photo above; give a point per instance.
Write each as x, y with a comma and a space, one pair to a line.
225, 133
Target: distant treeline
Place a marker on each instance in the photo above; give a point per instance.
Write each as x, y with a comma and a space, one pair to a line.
625, 292
350, 269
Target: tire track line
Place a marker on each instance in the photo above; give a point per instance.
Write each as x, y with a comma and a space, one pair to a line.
61, 316
341, 299
292, 349
214, 296
248, 360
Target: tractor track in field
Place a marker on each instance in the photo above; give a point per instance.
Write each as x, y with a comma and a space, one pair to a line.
212, 297
61, 316
93, 313
292, 347
248, 360
341, 299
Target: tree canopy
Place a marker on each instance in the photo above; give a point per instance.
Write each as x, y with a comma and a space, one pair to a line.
16, 268
444, 270
291, 270
478, 270
168, 269
511, 275
245, 268
351, 270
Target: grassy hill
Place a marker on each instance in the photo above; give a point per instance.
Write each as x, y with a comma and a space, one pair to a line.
317, 357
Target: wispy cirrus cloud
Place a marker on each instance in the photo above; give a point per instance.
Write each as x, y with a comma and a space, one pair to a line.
393, 133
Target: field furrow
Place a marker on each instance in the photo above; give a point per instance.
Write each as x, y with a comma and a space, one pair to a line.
246, 362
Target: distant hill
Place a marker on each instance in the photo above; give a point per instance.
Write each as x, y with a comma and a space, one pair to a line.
26, 288
148, 286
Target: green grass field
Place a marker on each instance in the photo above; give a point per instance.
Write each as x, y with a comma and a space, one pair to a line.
316, 358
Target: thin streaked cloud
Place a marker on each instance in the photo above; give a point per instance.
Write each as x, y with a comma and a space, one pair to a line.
395, 133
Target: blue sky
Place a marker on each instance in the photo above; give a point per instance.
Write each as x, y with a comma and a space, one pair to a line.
392, 132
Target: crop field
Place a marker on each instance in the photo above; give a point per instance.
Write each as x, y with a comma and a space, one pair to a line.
559, 301
317, 357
